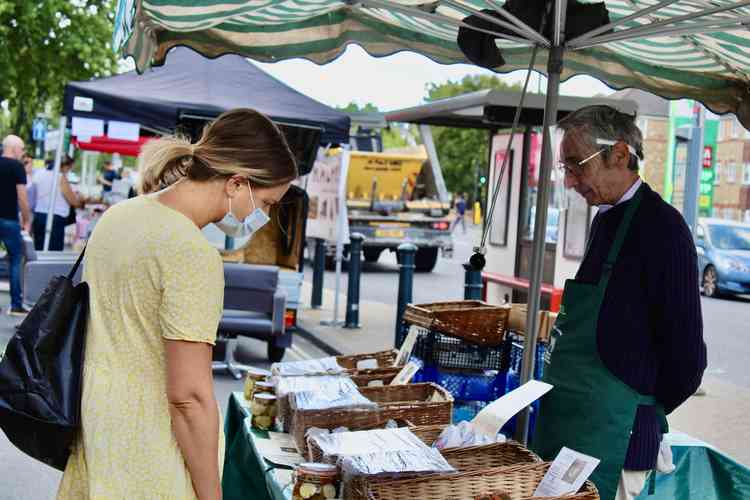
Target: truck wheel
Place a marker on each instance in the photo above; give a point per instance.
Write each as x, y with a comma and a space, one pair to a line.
275, 354
425, 259
371, 254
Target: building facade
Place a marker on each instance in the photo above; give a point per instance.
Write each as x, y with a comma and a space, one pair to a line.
732, 179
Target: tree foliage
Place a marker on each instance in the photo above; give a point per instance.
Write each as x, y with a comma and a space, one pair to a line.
461, 150
47, 43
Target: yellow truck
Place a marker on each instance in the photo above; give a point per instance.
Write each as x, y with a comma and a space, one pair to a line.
392, 198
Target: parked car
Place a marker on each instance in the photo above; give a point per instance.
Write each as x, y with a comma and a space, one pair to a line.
723, 257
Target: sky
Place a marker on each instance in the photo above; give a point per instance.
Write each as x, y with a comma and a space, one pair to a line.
393, 82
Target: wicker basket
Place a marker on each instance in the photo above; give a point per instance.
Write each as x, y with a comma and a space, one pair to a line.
385, 359
472, 320
363, 378
421, 404
467, 459
518, 481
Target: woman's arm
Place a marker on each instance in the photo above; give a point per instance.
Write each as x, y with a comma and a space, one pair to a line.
194, 412
70, 196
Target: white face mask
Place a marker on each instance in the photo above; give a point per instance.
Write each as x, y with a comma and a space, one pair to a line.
234, 228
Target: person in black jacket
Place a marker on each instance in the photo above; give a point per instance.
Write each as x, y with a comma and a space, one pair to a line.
631, 321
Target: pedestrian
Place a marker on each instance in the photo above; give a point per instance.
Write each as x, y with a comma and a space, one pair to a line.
66, 199
107, 179
150, 422
628, 345
13, 198
460, 207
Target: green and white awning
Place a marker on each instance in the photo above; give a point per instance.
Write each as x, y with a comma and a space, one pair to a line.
697, 49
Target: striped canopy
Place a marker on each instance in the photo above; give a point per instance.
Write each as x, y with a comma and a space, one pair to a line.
698, 49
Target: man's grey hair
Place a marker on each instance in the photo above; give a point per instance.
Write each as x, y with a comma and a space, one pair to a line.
605, 122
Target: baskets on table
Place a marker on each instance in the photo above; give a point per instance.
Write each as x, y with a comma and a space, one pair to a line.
518, 481
472, 320
420, 404
374, 376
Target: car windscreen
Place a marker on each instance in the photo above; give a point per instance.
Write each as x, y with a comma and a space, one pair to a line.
727, 237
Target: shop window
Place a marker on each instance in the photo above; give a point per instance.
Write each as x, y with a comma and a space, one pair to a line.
731, 173
717, 174
746, 174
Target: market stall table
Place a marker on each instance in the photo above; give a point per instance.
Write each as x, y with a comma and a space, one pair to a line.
701, 471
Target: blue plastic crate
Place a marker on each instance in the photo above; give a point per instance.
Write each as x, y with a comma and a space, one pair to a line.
515, 354
464, 385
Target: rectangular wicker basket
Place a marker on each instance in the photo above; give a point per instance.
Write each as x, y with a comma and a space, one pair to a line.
420, 404
363, 378
518, 481
472, 320
385, 359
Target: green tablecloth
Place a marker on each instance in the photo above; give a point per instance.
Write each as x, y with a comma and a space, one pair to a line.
247, 476
702, 472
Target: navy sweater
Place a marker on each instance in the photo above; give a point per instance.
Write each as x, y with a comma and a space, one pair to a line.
650, 328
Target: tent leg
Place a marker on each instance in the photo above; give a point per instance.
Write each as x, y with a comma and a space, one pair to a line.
55, 183
554, 69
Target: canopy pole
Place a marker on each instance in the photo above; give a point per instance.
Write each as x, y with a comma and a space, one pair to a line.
55, 182
554, 70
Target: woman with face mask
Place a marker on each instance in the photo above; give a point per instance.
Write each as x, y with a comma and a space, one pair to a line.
150, 423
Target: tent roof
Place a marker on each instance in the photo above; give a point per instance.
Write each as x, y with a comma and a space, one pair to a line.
190, 84
495, 109
648, 104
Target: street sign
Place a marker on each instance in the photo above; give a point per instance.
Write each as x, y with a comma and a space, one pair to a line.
39, 129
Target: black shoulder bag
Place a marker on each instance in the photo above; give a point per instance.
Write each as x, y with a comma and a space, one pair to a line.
41, 372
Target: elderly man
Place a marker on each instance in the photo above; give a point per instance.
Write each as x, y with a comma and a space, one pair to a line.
628, 343
12, 199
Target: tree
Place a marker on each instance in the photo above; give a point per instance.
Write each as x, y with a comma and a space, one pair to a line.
46, 44
461, 150
391, 136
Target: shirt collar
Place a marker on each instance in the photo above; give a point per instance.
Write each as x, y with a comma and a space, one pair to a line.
626, 197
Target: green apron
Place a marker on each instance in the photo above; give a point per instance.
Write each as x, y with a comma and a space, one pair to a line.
589, 410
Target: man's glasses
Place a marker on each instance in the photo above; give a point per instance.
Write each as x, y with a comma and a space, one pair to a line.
576, 168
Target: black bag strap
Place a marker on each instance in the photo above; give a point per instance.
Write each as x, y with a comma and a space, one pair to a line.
77, 264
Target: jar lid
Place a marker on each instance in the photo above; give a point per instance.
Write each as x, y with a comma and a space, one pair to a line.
317, 468
264, 395
258, 372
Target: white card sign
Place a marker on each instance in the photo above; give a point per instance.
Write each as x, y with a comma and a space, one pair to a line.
567, 474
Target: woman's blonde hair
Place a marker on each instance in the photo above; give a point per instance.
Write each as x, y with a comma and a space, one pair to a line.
239, 142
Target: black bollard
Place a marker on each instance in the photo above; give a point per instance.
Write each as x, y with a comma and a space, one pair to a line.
472, 283
319, 265
352, 289
406, 253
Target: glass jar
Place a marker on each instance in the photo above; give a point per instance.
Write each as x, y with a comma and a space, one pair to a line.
263, 408
264, 387
254, 375
313, 481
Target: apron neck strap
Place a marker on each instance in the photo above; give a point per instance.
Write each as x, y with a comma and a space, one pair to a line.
622, 230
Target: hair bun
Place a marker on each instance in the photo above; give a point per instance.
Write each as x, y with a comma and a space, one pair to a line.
187, 161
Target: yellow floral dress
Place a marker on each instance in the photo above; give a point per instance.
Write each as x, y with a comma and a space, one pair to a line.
152, 276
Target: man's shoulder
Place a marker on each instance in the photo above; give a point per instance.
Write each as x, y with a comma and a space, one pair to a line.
661, 219
10, 163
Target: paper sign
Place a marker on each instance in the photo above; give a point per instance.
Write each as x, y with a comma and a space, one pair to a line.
407, 347
279, 449
126, 131
85, 104
367, 364
87, 127
567, 474
406, 374
494, 416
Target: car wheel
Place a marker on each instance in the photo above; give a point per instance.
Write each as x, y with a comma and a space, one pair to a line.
710, 280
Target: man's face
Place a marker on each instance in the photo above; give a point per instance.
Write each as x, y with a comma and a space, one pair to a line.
593, 179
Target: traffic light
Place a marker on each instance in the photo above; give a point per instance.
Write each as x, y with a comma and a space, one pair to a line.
482, 179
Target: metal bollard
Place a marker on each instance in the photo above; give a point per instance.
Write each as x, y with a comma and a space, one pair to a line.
472, 283
406, 253
352, 289
319, 264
